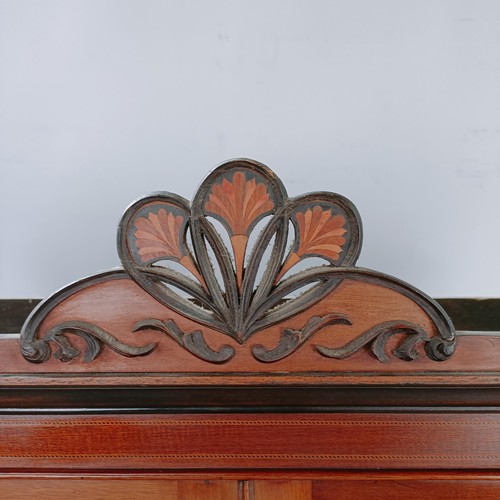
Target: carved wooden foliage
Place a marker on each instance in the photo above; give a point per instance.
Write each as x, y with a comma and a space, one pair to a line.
196, 259
239, 195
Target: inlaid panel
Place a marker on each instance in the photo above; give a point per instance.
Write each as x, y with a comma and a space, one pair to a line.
259, 441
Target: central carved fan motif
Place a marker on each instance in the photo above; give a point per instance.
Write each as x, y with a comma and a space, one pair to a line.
221, 288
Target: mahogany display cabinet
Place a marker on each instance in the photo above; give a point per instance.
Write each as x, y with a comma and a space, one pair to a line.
240, 353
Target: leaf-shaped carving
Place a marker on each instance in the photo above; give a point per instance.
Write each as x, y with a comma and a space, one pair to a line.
194, 342
291, 339
239, 203
94, 337
320, 233
158, 236
378, 337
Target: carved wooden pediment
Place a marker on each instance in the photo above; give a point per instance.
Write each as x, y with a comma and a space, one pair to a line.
242, 280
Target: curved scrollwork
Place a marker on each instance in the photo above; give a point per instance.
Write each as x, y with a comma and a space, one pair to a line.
233, 260
37, 349
378, 336
291, 340
194, 342
93, 336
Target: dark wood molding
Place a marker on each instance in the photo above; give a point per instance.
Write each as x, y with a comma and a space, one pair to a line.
14, 312
256, 399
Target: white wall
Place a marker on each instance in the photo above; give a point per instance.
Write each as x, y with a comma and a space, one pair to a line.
395, 104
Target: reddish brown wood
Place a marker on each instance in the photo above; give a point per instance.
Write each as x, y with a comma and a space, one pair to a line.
265, 315
405, 489
97, 489
365, 304
378, 488
353, 327
208, 490
282, 490
249, 475
475, 361
239, 195
267, 441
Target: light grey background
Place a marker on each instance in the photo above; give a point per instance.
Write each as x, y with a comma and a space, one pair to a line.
395, 104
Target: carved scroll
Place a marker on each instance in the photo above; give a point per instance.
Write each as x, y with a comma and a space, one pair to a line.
232, 262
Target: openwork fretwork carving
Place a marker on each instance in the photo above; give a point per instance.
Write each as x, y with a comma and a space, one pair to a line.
239, 195
233, 261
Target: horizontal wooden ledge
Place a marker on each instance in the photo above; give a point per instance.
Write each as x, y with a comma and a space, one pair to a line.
475, 362
450, 379
246, 399
272, 487
255, 474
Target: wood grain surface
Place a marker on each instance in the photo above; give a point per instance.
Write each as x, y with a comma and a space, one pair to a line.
267, 441
476, 359
360, 485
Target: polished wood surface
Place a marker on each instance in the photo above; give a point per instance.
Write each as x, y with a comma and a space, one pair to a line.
281, 490
237, 373
267, 441
272, 487
407, 490
241, 303
99, 489
476, 359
